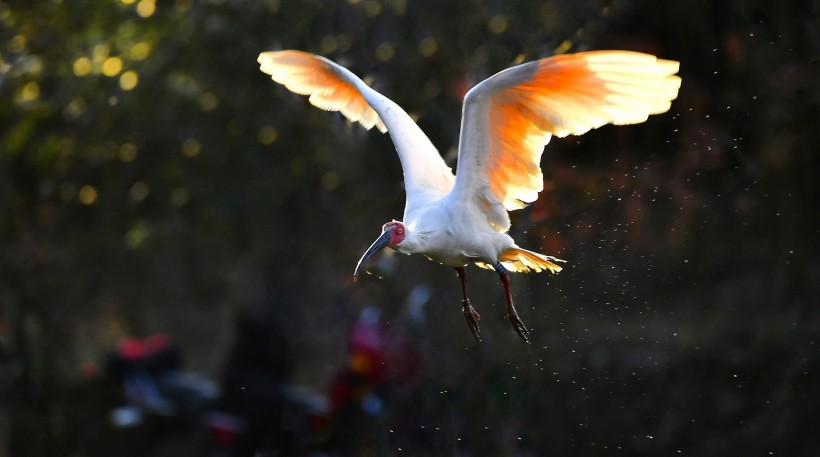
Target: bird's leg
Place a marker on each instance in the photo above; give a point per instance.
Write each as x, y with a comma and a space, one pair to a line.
512, 314
469, 312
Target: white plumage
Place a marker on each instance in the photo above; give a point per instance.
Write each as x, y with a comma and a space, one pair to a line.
507, 120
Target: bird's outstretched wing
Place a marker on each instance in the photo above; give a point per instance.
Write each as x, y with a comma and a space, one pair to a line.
332, 87
510, 117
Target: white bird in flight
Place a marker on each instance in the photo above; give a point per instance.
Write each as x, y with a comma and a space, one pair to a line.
507, 120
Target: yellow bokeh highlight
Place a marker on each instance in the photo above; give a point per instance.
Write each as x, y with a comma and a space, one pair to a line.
128, 152
498, 24
191, 148
139, 51
385, 51
112, 66
129, 80
88, 195
139, 191
82, 66
563, 47
372, 8
127, 2
29, 93
208, 101
146, 8
17, 44
137, 235
428, 46
267, 135
329, 44
100, 52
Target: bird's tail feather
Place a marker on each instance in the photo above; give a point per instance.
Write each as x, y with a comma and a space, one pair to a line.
523, 261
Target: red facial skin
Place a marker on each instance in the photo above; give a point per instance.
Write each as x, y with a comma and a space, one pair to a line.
396, 230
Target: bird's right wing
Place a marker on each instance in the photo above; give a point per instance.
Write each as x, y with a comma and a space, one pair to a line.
334, 88
509, 118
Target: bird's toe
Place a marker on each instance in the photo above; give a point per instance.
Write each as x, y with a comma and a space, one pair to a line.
472, 317
519, 327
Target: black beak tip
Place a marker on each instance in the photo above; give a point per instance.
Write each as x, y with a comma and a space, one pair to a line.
381, 242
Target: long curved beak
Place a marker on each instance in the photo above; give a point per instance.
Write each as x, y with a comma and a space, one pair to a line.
381, 242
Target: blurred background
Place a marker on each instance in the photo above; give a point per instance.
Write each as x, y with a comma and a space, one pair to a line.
178, 235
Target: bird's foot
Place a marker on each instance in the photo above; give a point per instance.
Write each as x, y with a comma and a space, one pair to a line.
472, 317
518, 325
512, 314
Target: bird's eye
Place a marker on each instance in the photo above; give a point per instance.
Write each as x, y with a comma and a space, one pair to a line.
399, 230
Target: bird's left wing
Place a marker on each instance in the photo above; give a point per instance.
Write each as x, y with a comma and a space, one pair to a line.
509, 118
334, 88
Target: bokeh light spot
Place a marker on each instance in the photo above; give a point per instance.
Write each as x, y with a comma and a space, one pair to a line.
428, 46
139, 191
330, 180
136, 235
17, 44
100, 52
139, 51
88, 195
267, 135
385, 51
191, 148
563, 47
372, 8
29, 93
128, 152
129, 80
329, 44
112, 66
208, 101
82, 66
498, 24
146, 8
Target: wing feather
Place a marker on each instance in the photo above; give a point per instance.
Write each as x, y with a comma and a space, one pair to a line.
327, 87
334, 88
510, 117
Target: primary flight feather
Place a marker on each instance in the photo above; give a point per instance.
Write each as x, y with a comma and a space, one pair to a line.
507, 120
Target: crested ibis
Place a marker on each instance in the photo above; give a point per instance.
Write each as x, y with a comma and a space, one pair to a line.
506, 121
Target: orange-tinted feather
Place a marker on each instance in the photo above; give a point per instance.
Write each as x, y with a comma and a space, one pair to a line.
563, 95
330, 90
523, 261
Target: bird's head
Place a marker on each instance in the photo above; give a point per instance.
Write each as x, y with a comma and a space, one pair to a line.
392, 235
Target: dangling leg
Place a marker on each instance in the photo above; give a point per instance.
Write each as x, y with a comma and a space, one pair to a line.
512, 314
469, 312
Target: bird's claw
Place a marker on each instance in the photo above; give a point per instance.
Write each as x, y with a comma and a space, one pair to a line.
472, 317
519, 327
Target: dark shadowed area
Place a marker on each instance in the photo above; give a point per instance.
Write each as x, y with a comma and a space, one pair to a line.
178, 235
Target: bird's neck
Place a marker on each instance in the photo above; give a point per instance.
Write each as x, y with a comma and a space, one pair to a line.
414, 242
